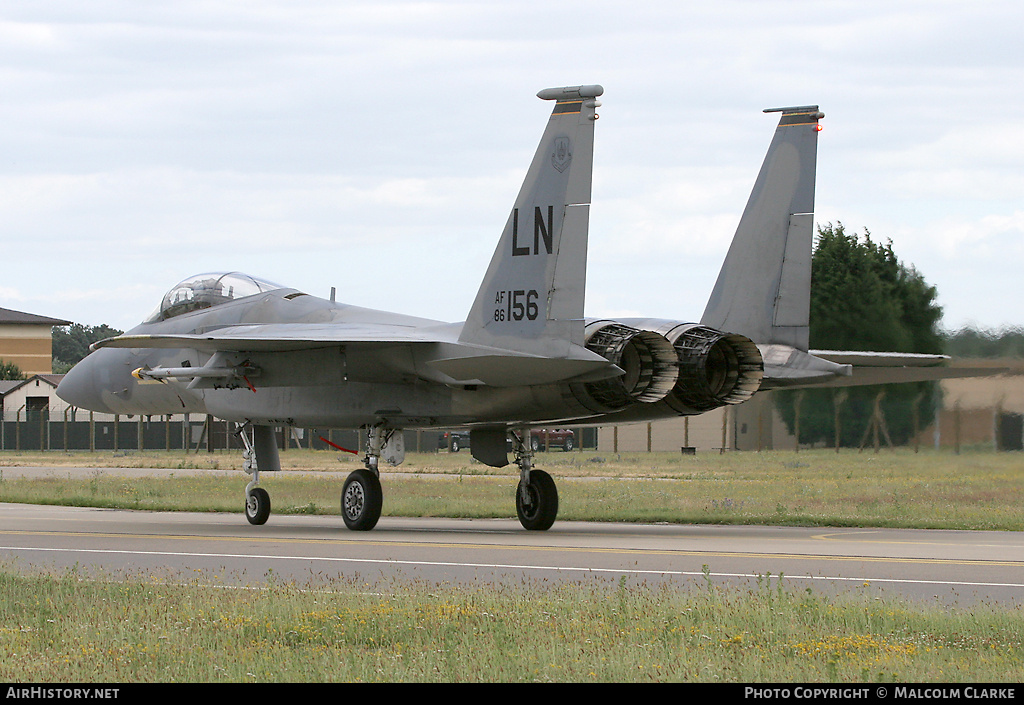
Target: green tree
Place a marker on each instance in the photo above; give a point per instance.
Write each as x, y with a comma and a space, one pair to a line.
8, 370
864, 298
71, 343
974, 342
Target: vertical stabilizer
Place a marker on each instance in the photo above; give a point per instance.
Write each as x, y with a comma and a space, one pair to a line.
531, 299
764, 288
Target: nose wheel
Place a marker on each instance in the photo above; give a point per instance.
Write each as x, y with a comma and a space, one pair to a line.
260, 452
257, 506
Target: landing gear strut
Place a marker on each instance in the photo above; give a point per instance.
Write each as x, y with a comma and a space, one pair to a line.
260, 452
361, 496
536, 496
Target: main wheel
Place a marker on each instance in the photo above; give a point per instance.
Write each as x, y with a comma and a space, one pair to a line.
361, 500
257, 506
539, 510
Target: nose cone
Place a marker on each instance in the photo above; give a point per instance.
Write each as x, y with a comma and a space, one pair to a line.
80, 389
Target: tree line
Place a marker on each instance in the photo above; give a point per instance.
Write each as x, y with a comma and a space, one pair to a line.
1006, 342
71, 343
864, 298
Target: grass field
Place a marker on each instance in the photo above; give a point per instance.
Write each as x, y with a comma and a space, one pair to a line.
893, 489
62, 628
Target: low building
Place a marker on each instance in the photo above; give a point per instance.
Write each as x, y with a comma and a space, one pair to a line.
982, 411
707, 432
28, 398
976, 412
26, 340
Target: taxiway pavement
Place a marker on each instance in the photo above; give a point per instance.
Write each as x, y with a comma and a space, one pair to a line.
951, 567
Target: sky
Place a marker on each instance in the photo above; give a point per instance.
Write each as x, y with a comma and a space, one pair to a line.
377, 146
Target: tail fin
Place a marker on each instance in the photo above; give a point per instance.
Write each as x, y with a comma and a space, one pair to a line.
763, 289
531, 299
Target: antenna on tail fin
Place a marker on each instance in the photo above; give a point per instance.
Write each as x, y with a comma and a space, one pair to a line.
763, 289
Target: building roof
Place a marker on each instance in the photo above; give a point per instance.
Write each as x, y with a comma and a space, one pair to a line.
7, 386
10, 316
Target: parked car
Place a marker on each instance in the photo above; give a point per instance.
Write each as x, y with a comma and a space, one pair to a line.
453, 441
541, 438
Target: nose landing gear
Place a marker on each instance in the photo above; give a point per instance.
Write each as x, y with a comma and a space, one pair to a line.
257, 505
260, 453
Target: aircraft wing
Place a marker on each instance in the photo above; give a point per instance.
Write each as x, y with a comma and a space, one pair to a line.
277, 337
462, 364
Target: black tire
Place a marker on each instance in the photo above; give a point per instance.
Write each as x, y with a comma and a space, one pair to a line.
257, 506
539, 512
534, 443
455, 445
361, 500
568, 445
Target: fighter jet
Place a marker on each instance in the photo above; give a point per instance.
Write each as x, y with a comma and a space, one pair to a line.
263, 355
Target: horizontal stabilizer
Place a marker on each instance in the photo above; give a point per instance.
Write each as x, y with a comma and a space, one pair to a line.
896, 375
786, 367
880, 359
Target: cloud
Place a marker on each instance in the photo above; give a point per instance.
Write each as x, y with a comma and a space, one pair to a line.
325, 143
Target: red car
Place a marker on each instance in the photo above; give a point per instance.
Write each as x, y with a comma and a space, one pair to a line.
539, 439
563, 438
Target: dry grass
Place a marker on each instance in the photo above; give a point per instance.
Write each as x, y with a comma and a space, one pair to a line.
897, 489
64, 629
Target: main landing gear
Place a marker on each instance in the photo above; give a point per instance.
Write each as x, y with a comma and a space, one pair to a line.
536, 496
362, 497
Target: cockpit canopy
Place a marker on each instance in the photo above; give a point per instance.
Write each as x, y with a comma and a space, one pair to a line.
206, 290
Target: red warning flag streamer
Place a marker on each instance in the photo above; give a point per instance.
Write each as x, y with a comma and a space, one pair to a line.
335, 445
